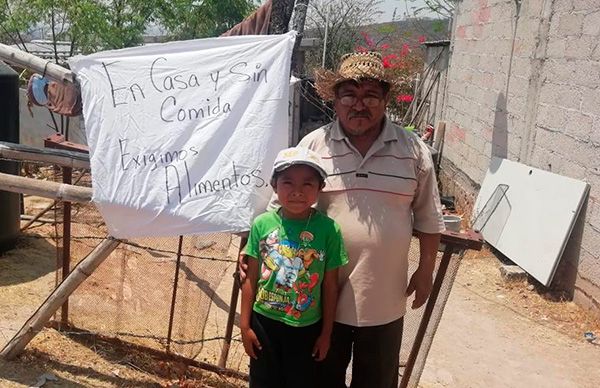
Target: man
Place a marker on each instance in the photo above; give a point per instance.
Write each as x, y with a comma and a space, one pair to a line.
381, 185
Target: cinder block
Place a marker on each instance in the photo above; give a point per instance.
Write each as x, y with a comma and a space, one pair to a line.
551, 117
590, 100
488, 148
474, 61
589, 266
570, 24
483, 162
562, 6
584, 72
514, 145
591, 241
591, 24
542, 158
585, 5
580, 47
556, 47
595, 134
517, 106
592, 176
579, 125
473, 156
533, 7
581, 152
596, 53
561, 71
572, 170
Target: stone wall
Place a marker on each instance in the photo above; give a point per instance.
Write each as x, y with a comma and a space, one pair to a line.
524, 84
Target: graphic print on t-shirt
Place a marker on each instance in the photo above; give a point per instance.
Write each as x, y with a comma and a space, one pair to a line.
285, 269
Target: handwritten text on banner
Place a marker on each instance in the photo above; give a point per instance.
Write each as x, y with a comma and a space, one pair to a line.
182, 135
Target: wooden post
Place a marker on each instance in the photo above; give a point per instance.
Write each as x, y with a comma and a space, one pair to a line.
35, 323
298, 25
235, 291
36, 217
422, 330
47, 189
41, 66
174, 296
66, 248
61, 158
281, 12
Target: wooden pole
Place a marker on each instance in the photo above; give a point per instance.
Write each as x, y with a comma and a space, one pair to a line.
41, 66
61, 158
298, 25
422, 330
235, 291
35, 323
174, 296
47, 189
66, 248
36, 217
281, 12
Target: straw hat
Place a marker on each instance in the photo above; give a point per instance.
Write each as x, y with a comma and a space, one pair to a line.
354, 66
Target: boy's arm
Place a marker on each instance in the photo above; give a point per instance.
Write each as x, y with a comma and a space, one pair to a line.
329, 296
248, 296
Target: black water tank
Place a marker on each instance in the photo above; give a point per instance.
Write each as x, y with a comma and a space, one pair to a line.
10, 207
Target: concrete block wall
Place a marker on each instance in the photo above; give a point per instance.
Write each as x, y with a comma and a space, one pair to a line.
524, 84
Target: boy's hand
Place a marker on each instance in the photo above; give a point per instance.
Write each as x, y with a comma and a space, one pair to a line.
250, 341
321, 347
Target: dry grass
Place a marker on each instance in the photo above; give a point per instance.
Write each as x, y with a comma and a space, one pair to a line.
79, 361
527, 298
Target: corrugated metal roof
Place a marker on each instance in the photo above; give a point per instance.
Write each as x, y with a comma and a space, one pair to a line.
45, 49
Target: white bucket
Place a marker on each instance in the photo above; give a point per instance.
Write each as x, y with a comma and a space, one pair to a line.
452, 223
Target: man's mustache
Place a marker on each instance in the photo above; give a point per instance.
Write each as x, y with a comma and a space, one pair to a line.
364, 114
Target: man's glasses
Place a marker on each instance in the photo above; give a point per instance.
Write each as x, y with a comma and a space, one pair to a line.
369, 102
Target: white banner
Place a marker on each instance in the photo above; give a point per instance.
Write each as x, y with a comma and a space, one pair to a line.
182, 135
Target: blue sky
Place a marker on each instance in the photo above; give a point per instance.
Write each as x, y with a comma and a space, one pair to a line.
388, 7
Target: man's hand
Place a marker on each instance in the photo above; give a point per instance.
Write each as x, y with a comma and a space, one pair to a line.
242, 267
321, 347
421, 283
250, 340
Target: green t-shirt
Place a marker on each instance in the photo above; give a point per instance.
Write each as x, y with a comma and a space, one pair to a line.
293, 258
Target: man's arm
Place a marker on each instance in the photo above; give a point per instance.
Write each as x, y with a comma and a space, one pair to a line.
422, 280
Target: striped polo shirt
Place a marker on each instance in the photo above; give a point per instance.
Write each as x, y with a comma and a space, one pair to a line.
377, 199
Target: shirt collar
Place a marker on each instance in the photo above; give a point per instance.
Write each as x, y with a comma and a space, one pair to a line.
387, 134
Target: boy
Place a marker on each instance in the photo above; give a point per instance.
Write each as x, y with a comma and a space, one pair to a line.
288, 307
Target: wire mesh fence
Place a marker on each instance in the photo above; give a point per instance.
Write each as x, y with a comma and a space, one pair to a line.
174, 295
415, 318
151, 293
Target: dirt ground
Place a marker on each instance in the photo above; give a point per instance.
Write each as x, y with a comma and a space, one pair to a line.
499, 334
492, 333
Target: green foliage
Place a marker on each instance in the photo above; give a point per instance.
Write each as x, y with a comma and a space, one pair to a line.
92, 25
387, 28
439, 27
189, 19
341, 20
88, 24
